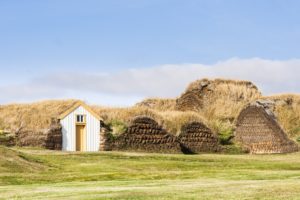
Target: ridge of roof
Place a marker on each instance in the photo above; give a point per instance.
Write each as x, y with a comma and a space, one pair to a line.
78, 104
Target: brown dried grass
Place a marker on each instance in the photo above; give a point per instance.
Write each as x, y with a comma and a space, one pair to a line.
241, 83
33, 116
36, 116
224, 102
170, 120
219, 114
226, 98
158, 104
287, 110
125, 115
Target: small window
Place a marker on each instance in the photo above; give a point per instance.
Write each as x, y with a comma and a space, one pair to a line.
80, 118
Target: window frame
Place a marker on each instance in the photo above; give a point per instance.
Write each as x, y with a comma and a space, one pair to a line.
83, 119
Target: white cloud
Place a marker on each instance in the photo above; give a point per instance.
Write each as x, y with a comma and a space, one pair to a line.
128, 86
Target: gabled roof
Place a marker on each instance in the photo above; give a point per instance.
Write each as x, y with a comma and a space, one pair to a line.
78, 104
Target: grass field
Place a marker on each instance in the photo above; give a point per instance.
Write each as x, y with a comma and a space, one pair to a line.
42, 174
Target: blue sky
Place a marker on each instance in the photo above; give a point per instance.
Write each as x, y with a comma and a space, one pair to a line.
85, 42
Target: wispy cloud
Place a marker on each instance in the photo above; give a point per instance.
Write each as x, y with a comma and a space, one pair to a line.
128, 86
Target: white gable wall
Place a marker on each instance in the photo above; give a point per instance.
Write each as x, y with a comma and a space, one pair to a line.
92, 129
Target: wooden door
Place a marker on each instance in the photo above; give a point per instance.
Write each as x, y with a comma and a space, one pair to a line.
80, 137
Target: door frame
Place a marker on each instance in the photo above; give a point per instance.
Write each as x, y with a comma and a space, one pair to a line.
83, 136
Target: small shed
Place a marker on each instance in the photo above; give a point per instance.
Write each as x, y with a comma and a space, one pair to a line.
80, 128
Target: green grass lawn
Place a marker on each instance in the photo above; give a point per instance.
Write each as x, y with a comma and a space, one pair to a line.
43, 174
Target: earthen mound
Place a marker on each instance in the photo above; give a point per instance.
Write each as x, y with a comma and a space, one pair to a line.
259, 131
35, 124
146, 135
50, 138
196, 137
223, 98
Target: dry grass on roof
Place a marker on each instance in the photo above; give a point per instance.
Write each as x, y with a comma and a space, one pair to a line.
170, 120
218, 98
287, 111
38, 115
216, 102
33, 116
174, 120
241, 83
284, 97
125, 115
158, 104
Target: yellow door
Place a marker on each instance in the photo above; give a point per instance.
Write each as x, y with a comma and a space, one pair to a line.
80, 137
